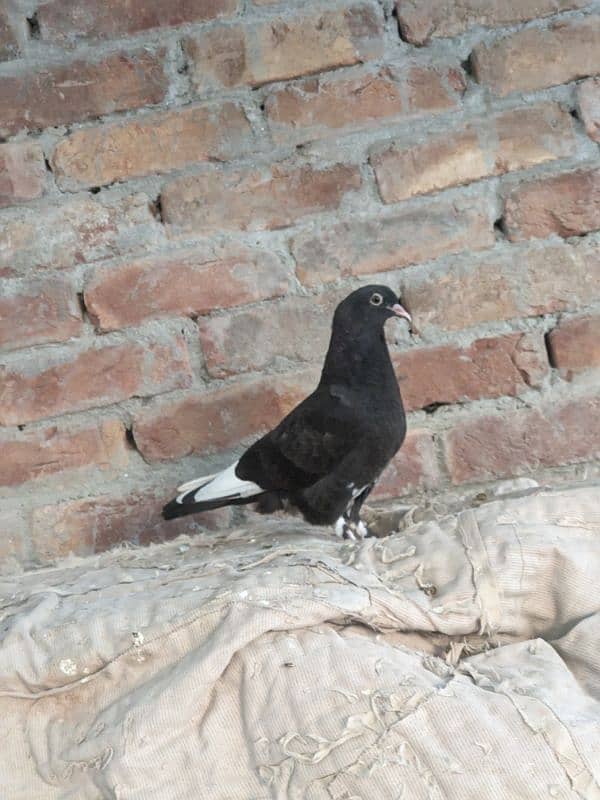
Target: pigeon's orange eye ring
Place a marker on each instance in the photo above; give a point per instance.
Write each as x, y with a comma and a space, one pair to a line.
376, 299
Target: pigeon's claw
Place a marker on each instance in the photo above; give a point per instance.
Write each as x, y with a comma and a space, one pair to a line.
347, 529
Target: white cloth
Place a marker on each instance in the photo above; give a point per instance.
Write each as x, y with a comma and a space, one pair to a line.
456, 660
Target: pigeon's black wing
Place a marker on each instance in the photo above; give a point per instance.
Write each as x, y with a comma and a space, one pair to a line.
305, 446
322, 454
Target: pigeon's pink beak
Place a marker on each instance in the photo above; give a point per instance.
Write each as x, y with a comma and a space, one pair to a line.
400, 311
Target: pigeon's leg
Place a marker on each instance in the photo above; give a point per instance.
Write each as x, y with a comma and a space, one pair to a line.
344, 529
352, 527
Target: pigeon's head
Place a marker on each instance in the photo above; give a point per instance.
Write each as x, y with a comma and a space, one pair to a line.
370, 306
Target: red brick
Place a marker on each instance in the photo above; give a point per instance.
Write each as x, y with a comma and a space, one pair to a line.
153, 143
588, 94
524, 440
221, 418
575, 345
422, 20
57, 95
567, 205
318, 107
507, 284
414, 468
32, 312
96, 524
297, 329
534, 59
492, 367
9, 43
64, 21
488, 146
284, 47
256, 199
30, 455
366, 246
22, 172
183, 284
83, 230
44, 384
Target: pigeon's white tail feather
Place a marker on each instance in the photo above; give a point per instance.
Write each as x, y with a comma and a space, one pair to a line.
223, 485
196, 483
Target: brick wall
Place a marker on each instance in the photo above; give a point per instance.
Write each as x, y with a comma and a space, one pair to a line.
188, 188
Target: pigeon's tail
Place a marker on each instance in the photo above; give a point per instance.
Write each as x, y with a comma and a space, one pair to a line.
212, 491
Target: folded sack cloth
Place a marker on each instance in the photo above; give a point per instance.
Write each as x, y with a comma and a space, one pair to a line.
458, 659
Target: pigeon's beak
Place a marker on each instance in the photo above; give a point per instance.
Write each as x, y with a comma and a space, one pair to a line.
400, 311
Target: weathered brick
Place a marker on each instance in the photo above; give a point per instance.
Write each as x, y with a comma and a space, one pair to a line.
297, 329
9, 43
534, 58
284, 47
29, 455
574, 345
434, 89
22, 172
83, 230
57, 95
588, 95
522, 441
422, 20
567, 205
491, 367
463, 294
14, 541
559, 278
529, 281
318, 107
41, 384
153, 143
363, 246
56, 531
36, 311
221, 418
488, 146
413, 468
64, 21
256, 199
95, 524
184, 284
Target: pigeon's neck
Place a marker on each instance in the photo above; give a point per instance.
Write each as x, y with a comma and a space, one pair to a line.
358, 360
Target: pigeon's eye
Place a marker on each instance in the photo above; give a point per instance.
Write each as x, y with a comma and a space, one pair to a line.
376, 299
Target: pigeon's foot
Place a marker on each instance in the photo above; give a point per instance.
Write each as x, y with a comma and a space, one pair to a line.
347, 529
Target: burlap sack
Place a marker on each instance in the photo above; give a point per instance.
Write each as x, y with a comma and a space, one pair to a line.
457, 660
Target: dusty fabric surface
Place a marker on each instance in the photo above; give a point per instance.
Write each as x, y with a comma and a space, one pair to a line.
458, 659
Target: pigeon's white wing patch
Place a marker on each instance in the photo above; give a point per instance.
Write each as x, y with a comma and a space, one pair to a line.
196, 483
223, 485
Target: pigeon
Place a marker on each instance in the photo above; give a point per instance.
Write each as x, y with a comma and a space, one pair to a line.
325, 456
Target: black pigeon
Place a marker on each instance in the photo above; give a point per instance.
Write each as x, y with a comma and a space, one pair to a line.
325, 456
